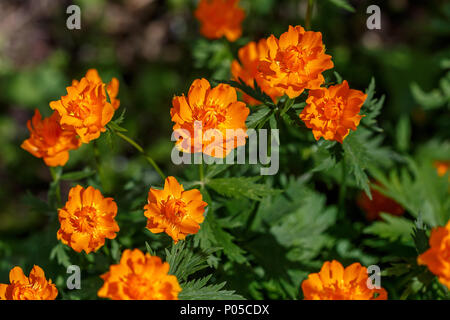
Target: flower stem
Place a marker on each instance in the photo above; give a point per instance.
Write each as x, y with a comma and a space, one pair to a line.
141, 150
343, 189
56, 178
201, 173
309, 14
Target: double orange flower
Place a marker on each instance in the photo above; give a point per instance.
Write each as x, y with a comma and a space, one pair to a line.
79, 117
34, 287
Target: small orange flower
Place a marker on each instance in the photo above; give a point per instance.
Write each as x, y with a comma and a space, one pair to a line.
220, 18
86, 107
34, 287
332, 112
295, 62
437, 257
441, 167
49, 140
379, 203
174, 211
333, 282
139, 277
203, 119
247, 70
87, 220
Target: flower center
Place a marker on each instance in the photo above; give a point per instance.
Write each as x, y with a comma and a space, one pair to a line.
292, 59
174, 209
210, 116
333, 109
85, 220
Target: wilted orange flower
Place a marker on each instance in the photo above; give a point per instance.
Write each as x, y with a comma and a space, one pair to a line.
247, 69
87, 220
49, 140
379, 203
202, 120
34, 287
295, 62
86, 107
333, 282
437, 257
220, 18
139, 277
332, 112
174, 211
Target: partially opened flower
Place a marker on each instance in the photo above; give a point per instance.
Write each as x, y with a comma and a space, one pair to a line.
332, 112
333, 282
87, 220
220, 18
86, 107
174, 210
210, 120
295, 62
34, 287
379, 204
437, 257
49, 140
139, 277
246, 69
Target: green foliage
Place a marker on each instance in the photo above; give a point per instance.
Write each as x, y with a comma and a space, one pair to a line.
392, 228
199, 290
242, 187
343, 4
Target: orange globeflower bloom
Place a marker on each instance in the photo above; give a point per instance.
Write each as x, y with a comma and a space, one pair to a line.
247, 70
86, 107
333, 282
220, 18
34, 287
49, 140
87, 220
139, 277
295, 62
437, 257
379, 203
441, 167
332, 112
174, 210
203, 119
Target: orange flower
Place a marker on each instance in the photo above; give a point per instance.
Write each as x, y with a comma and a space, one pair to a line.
86, 107
437, 257
203, 119
295, 62
379, 203
87, 220
49, 140
333, 282
35, 287
174, 211
139, 277
247, 70
332, 112
441, 167
220, 18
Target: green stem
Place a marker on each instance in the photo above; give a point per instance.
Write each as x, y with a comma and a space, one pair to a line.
141, 150
56, 180
343, 189
309, 14
201, 173
97, 161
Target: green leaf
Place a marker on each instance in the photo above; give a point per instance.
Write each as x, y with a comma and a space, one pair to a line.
242, 187
392, 228
258, 116
199, 290
59, 252
356, 156
343, 4
428, 100
184, 262
419, 236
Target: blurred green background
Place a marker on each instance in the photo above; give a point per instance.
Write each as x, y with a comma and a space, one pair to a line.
155, 50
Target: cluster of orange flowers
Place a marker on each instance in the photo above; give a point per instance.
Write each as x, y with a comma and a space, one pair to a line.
79, 117
287, 65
